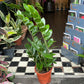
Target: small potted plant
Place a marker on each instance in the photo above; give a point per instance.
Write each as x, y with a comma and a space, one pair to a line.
8, 39
14, 26
5, 75
8, 35
38, 48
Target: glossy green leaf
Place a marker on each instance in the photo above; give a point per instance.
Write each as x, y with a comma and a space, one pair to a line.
7, 19
2, 16
31, 8
40, 24
50, 42
36, 14
33, 44
13, 6
26, 7
48, 55
27, 14
34, 30
81, 55
11, 32
43, 20
39, 7
30, 25
27, 46
37, 20
19, 14
48, 35
44, 29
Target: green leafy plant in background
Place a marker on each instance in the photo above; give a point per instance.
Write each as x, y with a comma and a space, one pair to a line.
13, 7
38, 48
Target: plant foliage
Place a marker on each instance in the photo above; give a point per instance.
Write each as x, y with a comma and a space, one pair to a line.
38, 50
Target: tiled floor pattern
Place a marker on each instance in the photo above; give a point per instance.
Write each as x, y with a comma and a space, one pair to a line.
22, 65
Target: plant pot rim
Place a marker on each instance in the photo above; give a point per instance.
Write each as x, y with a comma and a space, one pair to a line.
43, 73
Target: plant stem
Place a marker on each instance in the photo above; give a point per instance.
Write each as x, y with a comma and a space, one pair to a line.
45, 43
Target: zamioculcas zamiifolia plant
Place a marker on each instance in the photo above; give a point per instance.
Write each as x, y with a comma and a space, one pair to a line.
38, 48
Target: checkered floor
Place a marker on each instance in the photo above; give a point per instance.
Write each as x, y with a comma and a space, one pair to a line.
22, 65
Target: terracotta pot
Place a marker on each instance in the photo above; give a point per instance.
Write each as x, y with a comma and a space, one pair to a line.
19, 41
44, 78
24, 31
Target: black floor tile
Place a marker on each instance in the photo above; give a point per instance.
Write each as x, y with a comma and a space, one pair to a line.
29, 73
58, 59
52, 73
24, 51
15, 51
8, 59
14, 64
21, 69
78, 69
69, 73
61, 55
18, 55
31, 64
66, 64
57, 69
24, 59
82, 64
55, 51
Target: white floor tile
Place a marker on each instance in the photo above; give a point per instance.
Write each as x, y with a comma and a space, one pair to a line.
24, 55
75, 65
16, 58
68, 70
65, 59
20, 51
58, 64
30, 70
12, 69
23, 64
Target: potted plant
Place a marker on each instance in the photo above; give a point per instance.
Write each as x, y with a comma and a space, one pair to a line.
49, 6
8, 35
38, 48
8, 39
17, 26
14, 26
5, 75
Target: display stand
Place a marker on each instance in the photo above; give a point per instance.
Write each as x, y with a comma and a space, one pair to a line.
73, 40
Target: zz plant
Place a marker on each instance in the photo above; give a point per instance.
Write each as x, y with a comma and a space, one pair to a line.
38, 48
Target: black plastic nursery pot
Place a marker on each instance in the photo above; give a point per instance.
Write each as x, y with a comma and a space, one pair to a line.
49, 6
0, 52
2, 46
9, 52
